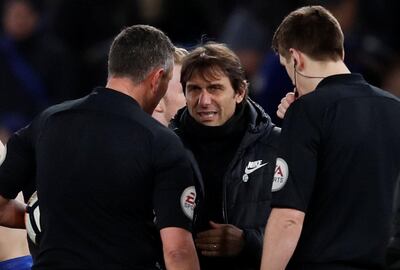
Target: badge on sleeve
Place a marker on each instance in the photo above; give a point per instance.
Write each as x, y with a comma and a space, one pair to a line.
281, 174
3, 152
188, 201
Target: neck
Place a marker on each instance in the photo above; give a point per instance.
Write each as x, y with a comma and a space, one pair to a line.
231, 129
127, 87
316, 71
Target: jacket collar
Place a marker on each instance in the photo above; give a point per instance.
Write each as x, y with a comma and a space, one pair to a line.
259, 122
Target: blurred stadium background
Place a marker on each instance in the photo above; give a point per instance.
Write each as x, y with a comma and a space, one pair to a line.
53, 50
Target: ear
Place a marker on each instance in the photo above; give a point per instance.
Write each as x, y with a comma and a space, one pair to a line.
155, 78
297, 58
239, 96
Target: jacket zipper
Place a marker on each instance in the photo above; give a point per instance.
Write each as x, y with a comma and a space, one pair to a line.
224, 185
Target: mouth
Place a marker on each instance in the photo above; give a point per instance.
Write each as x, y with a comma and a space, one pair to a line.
207, 116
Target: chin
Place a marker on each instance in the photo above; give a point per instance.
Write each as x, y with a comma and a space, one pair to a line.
210, 124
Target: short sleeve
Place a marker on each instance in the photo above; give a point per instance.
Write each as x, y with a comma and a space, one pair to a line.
18, 168
296, 165
174, 193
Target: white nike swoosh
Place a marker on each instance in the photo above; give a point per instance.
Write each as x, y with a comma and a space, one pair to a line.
249, 171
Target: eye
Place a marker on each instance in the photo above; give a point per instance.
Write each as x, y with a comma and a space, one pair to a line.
215, 87
192, 88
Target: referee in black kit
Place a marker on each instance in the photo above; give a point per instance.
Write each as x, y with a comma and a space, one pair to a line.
110, 179
339, 156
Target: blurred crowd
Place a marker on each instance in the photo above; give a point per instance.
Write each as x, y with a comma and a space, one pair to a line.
53, 50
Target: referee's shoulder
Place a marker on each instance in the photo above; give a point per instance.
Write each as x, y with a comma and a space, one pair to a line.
47, 113
159, 131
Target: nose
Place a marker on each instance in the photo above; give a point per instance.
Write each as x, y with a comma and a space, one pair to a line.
204, 98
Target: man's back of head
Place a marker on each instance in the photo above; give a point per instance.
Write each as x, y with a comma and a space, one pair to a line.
140, 64
310, 44
312, 30
137, 50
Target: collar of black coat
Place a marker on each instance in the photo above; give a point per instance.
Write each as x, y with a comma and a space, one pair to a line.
258, 121
234, 127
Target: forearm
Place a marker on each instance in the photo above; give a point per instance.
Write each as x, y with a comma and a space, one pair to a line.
178, 248
12, 213
185, 259
281, 236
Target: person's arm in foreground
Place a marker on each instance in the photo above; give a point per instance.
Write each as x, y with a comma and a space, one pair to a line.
12, 213
281, 236
178, 248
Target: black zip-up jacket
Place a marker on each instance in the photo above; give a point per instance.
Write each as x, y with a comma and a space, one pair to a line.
246, 184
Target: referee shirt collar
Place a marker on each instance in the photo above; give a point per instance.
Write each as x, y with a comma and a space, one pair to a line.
341, 79
109, 100
115, 95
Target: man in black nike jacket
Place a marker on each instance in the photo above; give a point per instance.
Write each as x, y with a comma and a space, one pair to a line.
233, 145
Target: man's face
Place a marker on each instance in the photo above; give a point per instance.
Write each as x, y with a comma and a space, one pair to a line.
173, 100
211, 102
20, 20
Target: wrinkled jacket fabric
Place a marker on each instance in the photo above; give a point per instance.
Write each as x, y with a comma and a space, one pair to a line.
246, 196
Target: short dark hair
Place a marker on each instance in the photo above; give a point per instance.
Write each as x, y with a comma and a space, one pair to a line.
312, 30
137, 50
209, 60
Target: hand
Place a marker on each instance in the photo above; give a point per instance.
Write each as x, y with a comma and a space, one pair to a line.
221, 240
285, 104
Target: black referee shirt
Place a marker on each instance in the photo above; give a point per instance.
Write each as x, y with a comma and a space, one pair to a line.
339, 159
108, 178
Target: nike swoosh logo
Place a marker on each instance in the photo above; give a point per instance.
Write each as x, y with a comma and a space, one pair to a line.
249, 171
